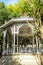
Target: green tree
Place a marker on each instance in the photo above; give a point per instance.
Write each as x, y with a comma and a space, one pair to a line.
3, 13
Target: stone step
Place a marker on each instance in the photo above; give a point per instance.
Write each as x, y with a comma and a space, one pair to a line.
27, 60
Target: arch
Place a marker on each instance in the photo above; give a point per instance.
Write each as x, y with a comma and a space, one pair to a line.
25, 29
25, 37
29, 26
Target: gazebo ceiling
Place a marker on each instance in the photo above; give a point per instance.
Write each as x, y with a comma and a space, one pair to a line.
25, 31
17, 20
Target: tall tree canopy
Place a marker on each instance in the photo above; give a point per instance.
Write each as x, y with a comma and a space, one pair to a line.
11, 11
23, 5
3, 13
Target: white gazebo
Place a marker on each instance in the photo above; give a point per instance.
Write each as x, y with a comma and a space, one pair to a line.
18, 29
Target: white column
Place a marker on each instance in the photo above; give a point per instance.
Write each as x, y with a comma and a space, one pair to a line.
12, 29
14, 39
37, 44
17, 42
33, 42
4, 35
7, 48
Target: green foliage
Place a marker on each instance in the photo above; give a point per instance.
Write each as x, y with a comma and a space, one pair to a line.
22, 6
13, 11
3, 13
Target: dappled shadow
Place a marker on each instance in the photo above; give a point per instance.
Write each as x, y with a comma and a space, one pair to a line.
8, 60
16, 61
41, 59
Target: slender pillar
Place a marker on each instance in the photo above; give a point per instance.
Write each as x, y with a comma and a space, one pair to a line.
33, 42
37, 44
17, 42
14, 39
7, 48
12, 50
4, 35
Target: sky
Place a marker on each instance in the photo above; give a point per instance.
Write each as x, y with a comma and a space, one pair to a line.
9, 1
